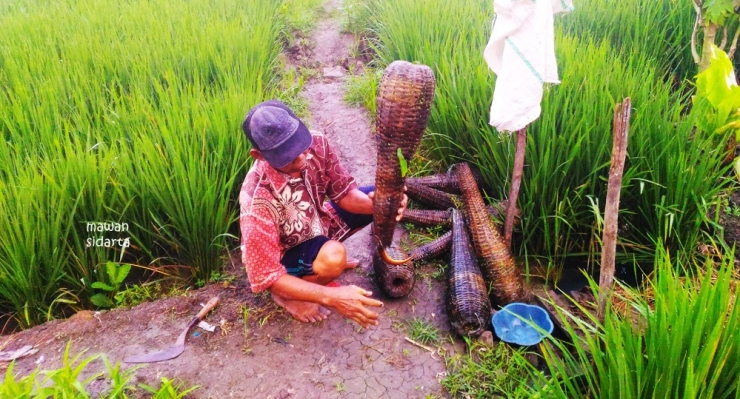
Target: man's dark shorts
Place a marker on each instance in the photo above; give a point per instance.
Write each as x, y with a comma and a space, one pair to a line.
299, 259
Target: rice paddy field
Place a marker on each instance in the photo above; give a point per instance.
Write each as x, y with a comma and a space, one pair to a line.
126, 116
121, 122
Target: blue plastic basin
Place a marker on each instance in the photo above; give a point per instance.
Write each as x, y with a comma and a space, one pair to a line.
514, 324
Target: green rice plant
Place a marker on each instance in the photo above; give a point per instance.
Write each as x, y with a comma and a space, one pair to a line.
92, 175
190, 178
675, 339
658, 29
571, 155
35, 225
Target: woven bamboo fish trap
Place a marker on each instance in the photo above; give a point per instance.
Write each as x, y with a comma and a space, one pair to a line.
396, 281
427, 217
432, 197
404, 102
446, 182
495, 260
433, 248
468, 306
443, 182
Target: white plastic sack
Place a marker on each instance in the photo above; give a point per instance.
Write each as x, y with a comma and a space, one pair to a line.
521, 52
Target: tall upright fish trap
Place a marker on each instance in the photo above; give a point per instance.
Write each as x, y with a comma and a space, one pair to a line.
404, 102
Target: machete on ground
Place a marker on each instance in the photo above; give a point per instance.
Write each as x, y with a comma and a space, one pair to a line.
179, 347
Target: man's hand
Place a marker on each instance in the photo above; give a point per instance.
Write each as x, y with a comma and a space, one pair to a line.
351, 302
404, 203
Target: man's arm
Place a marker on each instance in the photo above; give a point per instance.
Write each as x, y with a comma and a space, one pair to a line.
350, 301
360, 203
357, 202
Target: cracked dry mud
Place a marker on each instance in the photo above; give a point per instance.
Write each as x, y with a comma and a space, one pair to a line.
274, 356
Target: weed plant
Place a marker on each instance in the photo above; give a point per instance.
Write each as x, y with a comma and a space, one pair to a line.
362, 89
489, 372
124, 112
71, 380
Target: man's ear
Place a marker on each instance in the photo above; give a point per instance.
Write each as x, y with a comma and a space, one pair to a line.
254, 153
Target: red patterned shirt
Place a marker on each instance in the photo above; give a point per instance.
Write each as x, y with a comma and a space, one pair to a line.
279, 212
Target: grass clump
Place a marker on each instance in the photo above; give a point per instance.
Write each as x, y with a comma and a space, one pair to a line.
422, 331
362, 89
301, 15
354, 15
489, 372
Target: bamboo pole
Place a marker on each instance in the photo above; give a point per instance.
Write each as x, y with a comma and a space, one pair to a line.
611, 209
516, 181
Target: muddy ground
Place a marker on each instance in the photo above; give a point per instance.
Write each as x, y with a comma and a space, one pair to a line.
274, 356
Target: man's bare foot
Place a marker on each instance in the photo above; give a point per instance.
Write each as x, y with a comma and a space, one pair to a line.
306, 312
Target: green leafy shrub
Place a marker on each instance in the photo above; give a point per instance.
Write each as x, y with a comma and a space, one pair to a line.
116, 275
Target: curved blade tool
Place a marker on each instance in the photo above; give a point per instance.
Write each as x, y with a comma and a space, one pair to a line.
179, 347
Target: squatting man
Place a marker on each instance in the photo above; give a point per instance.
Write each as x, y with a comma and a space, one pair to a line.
297, 205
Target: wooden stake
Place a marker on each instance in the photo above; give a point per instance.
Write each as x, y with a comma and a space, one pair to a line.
611, 209
516, 181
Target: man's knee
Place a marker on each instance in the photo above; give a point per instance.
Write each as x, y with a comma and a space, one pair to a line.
331, 259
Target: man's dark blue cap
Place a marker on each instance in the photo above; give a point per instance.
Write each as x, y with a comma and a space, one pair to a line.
275, 131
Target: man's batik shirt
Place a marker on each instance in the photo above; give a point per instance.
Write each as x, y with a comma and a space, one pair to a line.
279, 212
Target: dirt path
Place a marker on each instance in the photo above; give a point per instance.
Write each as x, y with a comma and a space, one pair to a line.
273, 356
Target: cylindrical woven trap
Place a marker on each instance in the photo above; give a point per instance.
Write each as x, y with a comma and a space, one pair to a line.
468, 306
427, 218
432, 197
433, 248
446, 182
395, 281
495, 260
404, 101
443, 182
